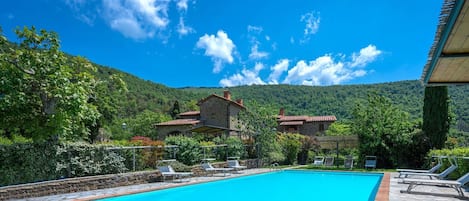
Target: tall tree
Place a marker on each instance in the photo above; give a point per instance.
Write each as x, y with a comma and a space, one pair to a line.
43, 92
383, 130
436, 118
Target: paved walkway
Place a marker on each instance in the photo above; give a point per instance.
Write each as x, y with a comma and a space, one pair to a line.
422, 193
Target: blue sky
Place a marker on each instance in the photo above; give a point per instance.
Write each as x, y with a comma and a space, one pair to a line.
211, 43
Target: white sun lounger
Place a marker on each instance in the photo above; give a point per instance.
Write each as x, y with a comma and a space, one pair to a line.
168, 171
441, 175
318, 160
209, 168
457, 185
431, 170
235, 165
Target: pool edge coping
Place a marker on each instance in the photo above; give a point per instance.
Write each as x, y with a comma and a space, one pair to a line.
381, 195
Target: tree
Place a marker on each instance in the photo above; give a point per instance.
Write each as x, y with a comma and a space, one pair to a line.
436, 119
259, 123
383, 130
338, 129
44, 93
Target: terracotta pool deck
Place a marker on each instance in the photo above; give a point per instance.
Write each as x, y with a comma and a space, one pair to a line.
389, 190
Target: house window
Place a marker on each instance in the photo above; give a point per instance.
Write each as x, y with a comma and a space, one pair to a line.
321, 127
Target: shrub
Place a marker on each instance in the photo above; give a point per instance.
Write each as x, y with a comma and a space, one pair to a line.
291, 145
234, 147
189, 151
40, 161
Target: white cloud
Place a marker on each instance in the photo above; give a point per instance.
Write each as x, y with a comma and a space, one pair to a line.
137, 19
277, 70
311, 21
246, 77
182, 5
321, 71
253, 33
366, 55
220, 48
255, 29
326, 70
86, 15
256, 54
182, 29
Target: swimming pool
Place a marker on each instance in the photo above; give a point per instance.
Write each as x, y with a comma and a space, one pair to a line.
274, 186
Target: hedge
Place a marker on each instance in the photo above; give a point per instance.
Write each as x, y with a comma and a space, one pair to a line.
34, 162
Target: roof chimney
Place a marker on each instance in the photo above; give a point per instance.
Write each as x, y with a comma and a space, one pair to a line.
282, 112
227, 94
240, 101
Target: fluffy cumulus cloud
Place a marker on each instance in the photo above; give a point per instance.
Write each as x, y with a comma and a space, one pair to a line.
324, 70
311, 21
277, 70
366, 56
246, 77
327, 70
137, 19
220, 48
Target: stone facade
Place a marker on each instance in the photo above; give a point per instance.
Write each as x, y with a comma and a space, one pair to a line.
305, 125
218, 115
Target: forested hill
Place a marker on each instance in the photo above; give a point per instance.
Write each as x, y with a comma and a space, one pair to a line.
336, 100
339, 100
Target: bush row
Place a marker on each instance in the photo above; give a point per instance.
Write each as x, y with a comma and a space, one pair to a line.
33, 162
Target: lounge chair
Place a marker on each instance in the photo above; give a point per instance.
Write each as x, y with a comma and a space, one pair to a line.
168, 171
348, 162
441, 175
431, 170
318, 160
370, 162
329, 161
457, 185
235, 165
209, 168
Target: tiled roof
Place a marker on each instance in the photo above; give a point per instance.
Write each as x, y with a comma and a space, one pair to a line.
190, 113
306, 118
322, 118
291, 123
223, 98
292, 118
178, 122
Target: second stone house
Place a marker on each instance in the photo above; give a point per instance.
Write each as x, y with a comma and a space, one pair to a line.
305, 125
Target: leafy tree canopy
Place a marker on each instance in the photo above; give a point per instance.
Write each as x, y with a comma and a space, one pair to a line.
43, 92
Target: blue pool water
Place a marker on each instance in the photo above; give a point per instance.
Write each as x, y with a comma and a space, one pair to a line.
275, 186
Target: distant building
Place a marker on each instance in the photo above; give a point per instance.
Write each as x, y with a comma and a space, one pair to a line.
305, 125
217, 116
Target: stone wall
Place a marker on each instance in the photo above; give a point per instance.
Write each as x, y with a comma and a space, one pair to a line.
72, 185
